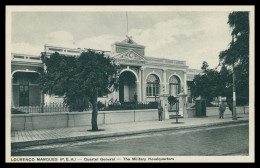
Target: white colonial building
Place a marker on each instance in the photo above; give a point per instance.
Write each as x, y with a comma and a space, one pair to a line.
142, 77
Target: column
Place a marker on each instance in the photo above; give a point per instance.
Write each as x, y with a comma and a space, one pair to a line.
185, 85
164, 104
139, 86
12, 95
138, 90
185, 82
164, 81
143, 84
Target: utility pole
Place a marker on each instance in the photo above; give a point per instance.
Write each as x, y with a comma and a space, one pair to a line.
234, 117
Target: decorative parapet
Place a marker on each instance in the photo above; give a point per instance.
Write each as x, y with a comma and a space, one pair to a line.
69, 51
62, 50
26, 58
165, 61
132, 56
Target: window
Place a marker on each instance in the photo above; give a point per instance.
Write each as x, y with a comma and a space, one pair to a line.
73, 51
35, 58
174, 85
152, 86
55, 49
189, 91
18, 56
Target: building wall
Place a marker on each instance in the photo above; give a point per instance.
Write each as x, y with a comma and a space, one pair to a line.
159, 73
158, 66
179, 74
214, 111
35, 92
73, 119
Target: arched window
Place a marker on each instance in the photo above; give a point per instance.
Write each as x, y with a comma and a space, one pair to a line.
152, 85
174, 84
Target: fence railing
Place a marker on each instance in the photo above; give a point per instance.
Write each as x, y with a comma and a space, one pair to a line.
42, 108
131, 106
61, 107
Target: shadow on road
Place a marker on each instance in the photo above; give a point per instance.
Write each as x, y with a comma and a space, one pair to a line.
177, 122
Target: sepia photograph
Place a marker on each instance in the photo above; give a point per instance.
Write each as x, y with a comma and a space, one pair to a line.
130, 84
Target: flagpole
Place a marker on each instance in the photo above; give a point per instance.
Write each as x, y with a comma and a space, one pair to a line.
126, 24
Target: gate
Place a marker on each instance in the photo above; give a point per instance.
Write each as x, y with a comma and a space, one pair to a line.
174, 110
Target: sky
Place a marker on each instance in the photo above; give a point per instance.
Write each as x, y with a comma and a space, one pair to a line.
190, 36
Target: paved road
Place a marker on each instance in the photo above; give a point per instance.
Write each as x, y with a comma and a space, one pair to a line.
212, 141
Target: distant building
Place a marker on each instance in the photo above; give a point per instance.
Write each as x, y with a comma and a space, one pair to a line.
141, 75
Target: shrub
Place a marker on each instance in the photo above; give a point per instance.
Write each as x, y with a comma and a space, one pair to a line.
16, 111
172, 100
153, 104
130, 106
100, 105
77, 104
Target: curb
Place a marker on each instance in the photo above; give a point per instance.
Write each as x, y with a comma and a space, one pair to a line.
16, 145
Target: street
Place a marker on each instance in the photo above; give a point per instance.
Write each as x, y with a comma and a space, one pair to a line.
211, 141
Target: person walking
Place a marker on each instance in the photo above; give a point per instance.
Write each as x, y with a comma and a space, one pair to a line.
222, 109
160, 111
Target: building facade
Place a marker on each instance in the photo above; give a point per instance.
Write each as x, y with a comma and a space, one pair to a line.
142, 78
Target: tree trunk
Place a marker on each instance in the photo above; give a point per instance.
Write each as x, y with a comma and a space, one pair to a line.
94, 113
230, 104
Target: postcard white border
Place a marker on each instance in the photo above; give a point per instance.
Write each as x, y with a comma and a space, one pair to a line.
10, 9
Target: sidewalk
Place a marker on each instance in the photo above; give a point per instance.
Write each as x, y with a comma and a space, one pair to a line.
58, 135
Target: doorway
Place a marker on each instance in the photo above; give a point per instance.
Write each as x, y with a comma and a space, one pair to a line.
127, 87
174, 90
24, 95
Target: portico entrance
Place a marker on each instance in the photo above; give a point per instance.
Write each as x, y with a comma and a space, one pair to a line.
127, 87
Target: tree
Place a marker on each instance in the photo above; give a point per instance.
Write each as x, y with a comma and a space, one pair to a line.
172, 100
204, 66
207, 84
213, 83
79, 79
237, 55
238, 51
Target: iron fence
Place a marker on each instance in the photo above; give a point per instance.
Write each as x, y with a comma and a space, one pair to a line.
42, 108
61, 107
131, 106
